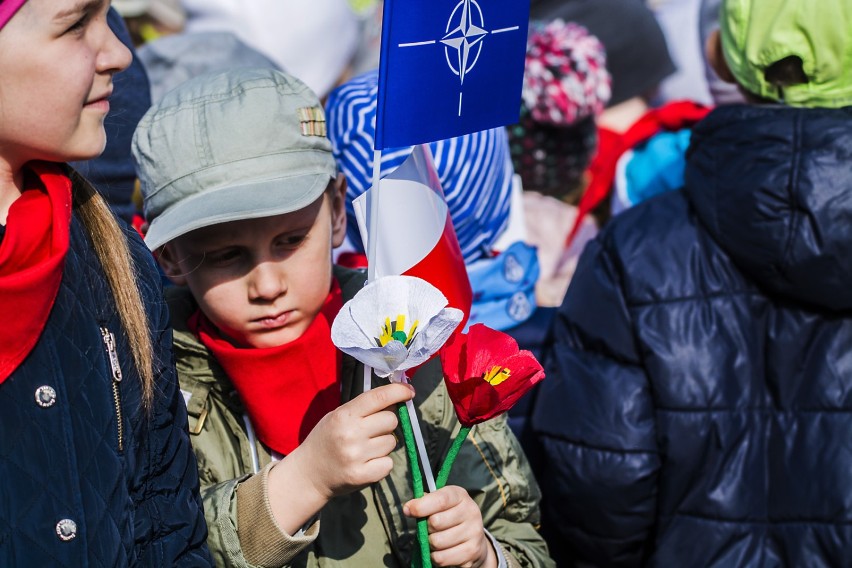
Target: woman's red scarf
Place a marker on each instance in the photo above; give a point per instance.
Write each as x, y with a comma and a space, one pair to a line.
286, 389
32, 257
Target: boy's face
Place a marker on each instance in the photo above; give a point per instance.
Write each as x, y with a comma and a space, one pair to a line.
262, 281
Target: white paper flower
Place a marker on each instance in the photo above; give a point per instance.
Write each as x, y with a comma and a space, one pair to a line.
394, 323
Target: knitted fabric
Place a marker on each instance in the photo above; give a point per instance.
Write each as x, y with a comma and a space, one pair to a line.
565, 78
566, 85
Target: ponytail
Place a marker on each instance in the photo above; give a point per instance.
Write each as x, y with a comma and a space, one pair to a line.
110, 245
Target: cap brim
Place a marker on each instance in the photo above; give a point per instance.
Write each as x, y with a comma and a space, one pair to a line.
234, 203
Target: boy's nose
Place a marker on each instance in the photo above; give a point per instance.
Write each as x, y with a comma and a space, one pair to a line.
266, 282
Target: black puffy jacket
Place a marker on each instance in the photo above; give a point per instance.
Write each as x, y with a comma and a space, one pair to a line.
86, 477
698, 405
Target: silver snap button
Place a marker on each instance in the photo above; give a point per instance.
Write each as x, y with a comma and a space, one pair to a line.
45, 396
66, 529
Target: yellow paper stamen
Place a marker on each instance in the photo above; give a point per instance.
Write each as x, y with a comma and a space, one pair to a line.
395, 331
496, 375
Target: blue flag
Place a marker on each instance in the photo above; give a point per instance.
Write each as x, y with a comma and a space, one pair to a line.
448, 68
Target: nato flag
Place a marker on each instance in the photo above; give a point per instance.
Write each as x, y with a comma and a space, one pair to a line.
448, 68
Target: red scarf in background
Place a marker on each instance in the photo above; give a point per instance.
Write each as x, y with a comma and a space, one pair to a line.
32, 257
286, 389
670, 117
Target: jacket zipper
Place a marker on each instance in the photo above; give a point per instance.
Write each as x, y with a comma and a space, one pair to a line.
109, 342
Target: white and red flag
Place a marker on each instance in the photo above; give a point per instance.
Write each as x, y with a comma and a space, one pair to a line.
415, 235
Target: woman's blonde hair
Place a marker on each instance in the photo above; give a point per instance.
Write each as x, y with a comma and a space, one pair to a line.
112, 250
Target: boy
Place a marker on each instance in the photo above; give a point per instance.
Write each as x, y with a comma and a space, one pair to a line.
245, 206
698, 396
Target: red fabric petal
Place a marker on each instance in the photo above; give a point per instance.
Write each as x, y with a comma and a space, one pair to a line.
486, 348
453, 357
466, 359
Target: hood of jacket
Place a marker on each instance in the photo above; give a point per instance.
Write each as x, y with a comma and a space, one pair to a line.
773, 185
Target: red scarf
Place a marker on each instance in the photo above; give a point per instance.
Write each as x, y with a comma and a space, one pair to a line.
671, 117
32, 257
286, 389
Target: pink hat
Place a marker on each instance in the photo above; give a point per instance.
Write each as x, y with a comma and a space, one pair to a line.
8, 8
565, 76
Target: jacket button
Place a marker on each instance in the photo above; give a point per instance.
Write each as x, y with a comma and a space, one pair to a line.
45, 396
66, 529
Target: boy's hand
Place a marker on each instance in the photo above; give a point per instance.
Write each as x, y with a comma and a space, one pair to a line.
348, 449
456, 533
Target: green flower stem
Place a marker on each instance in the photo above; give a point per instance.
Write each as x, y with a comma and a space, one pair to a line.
444, 473
417, 482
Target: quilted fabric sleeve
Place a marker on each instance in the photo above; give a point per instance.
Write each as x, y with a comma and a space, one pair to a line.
593, 421
170, 528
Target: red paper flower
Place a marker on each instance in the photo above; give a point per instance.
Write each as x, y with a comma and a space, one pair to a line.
486, 374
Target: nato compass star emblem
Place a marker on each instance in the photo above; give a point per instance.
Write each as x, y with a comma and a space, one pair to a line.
463, 39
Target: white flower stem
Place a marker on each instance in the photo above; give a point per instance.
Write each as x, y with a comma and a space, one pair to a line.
368, 378
418, 437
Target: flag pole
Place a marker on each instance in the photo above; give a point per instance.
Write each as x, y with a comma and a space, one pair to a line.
372, 242
374, 217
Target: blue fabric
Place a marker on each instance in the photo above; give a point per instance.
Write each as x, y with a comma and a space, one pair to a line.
113, 173
504, 299
504, 287
133, 507
475, 169
439, 88
697, 408
657, 166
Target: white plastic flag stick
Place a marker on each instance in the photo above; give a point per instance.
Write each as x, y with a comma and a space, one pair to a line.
368, 378
372, 243
421, 445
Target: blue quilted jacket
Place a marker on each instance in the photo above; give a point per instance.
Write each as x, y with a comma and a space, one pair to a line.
86, 478
698, 405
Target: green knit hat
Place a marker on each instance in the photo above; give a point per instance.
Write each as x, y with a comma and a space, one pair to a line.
758, 33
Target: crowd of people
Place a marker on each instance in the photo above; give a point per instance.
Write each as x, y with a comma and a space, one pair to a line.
666, 227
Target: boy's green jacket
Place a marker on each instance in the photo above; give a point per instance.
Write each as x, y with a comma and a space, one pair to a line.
366, 528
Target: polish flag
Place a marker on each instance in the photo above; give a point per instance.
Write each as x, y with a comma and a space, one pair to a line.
415, 231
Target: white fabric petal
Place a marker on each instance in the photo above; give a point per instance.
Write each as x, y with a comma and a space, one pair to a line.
391, 296
345, 331
384, 360
425, 301
360, 321
432, 337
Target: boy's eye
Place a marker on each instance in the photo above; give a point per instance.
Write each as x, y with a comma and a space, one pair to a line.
290, 241
221, 257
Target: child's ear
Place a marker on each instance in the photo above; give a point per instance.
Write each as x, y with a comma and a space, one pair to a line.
166, 258
716, 58
338, 211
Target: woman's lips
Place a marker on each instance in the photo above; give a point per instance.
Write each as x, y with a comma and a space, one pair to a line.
99, 105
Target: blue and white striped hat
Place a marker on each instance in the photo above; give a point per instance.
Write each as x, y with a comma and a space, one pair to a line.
475, 170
